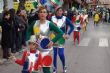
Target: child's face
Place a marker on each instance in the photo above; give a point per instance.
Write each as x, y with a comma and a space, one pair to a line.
32, 45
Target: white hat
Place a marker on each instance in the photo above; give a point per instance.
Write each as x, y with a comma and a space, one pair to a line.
33, 39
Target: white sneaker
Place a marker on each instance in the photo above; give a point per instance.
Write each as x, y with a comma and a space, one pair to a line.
65, 70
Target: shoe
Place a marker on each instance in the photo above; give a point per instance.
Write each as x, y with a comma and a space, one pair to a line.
65, 70
2, 61
54, 71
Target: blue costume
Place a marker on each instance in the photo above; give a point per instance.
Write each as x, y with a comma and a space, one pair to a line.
62, 22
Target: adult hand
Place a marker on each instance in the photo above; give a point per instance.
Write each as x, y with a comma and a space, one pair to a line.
65, 36
13, 58
18, 29
50, 44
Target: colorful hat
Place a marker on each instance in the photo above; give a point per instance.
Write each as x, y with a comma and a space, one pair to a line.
33, 39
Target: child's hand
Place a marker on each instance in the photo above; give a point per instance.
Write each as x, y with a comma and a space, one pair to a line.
26, 58
40, 67
14, 58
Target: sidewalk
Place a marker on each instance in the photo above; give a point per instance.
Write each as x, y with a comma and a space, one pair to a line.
0, 48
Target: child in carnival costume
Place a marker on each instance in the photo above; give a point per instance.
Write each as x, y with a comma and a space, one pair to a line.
61, 22
42, 28
77, 31
85, 21
77, 25
96, 18
31, 59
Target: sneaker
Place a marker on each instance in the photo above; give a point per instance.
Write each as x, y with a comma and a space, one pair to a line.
65, 70
2, 61
54, 71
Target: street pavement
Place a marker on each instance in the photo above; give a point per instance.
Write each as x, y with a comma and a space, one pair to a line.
92, 55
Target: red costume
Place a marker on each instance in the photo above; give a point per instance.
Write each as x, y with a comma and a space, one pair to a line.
34, 59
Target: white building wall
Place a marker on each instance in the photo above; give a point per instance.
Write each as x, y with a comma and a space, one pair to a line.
1, 6
10, 4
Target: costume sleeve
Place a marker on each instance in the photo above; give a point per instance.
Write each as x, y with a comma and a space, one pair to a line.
21, 61
69, 23
55, 29
38, 62
29, 31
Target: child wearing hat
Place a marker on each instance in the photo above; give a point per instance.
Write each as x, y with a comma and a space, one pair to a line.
32, 59
77, 29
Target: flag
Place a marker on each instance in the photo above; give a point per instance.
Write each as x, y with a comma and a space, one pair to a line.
35, 4
57, 2
43, 1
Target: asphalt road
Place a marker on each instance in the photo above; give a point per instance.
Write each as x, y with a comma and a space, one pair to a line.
92, 55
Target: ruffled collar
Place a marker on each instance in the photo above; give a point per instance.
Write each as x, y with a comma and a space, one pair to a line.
33, 51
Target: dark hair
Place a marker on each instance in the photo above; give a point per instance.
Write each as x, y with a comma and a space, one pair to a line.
59, 9
18, 11
12, 13
5, 13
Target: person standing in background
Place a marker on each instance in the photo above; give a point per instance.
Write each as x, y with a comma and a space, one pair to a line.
14, 23
63, 23
96, 19
77, 25
23, 23
6, 35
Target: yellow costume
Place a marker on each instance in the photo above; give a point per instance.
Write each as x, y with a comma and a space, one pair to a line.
96, 17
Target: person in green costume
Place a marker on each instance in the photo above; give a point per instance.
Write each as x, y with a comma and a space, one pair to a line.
44, 27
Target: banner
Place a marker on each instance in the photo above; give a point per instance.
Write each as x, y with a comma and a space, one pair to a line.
57, 2
28, 5
43, 1
15, 5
